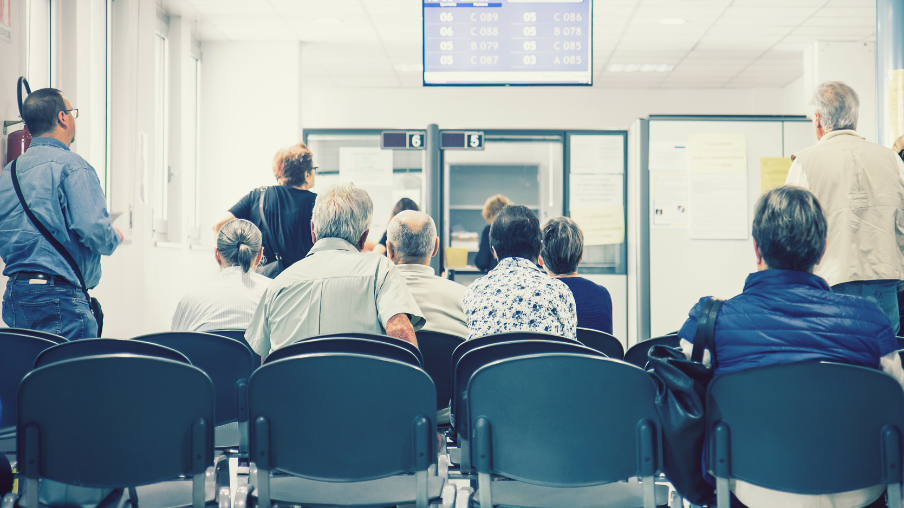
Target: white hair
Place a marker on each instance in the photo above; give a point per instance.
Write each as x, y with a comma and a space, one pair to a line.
342, 211
412, 245
838, 106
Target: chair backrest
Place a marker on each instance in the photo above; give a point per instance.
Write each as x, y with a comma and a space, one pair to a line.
502, 337
809, 428
374, 336
473, 360
239, 335
637, 354
574, 400
601, 341
129, 420
94, 347
900, 342
17, 358
437, 349
225, 360
345, 345
310, 413
36, 333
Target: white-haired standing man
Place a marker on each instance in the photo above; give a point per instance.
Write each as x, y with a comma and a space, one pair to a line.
335, 288
860, 185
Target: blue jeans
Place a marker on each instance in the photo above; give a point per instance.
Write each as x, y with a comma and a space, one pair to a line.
883, 293
57, 307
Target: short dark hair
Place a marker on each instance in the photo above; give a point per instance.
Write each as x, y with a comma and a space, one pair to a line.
563, 246
41, 110
515, 233
790, 229
404, 204
293, 164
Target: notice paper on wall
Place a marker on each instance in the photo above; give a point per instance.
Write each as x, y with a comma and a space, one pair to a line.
773, 172
595, 154
718, 206
365, 166
895, 105
6, 21
669, 199
601, 225
668, 156
718, 153
595, 190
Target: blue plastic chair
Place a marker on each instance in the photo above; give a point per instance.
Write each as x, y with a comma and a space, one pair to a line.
129, 421
35, 333
373, 336
18, 356
638, 353
474, 359
806, 428
370, 347
437, 349
239, 335
587, 424
475, 343
350, 430
601, 341
94, 347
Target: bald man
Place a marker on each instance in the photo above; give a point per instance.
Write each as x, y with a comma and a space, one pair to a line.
410, 243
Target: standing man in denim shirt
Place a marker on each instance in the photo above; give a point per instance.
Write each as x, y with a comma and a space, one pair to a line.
64, 193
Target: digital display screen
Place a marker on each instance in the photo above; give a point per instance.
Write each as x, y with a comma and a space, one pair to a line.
508, 42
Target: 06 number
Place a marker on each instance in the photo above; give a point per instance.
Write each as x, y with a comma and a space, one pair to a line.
445, 16
445, 31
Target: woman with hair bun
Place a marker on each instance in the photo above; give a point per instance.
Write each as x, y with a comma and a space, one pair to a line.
228, 300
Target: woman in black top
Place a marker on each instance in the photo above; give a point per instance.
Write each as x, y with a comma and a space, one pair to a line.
287, 209
485, 260
401, 206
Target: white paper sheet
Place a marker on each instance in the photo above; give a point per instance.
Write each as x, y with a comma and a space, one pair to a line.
668, 156
718, 153
669, 200
595, 190
601, 225
596, 154
365, 166
718, 207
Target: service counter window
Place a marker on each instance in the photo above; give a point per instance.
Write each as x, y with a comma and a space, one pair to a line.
343, 155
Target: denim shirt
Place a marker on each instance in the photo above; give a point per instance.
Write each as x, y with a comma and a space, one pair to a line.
64, 193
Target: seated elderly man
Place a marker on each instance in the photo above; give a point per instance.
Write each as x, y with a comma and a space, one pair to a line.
335, 288
517, 295
411, 242
787, 314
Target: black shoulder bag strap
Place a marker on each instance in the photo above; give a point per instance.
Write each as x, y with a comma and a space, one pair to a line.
47, 236
266, 228
706, 328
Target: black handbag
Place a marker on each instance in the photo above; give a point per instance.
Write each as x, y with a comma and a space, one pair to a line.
275, 267
92, 302
680, 402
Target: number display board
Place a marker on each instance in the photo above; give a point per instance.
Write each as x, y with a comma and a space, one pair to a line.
508, 42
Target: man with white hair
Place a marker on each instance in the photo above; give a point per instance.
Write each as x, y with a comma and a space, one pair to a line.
410, 242
860, 185
335, 288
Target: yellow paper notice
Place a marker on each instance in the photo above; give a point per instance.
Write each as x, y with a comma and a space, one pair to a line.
773, 172
896, 104
718, 153
601, 225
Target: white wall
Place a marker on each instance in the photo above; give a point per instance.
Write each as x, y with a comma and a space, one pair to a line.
12, 62
853, 63
513, 107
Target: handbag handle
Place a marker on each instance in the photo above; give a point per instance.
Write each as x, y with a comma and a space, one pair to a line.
706, 329
22, 81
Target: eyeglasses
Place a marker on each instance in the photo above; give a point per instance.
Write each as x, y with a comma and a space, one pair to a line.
315, 168
73, 111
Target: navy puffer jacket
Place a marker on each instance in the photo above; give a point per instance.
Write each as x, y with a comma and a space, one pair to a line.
785, 316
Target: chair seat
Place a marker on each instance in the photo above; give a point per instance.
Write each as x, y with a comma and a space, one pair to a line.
226, 435
615, 495
373, 493
172, 494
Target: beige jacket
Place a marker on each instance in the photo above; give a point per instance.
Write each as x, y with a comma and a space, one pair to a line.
860, 186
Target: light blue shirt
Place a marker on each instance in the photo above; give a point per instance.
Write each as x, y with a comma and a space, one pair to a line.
64, 193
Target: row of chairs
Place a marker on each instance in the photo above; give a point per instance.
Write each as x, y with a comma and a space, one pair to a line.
547, 430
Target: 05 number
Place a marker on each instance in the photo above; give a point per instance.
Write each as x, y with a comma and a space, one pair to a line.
530, 45
530, 31
530, 17
445, 60
445, 45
